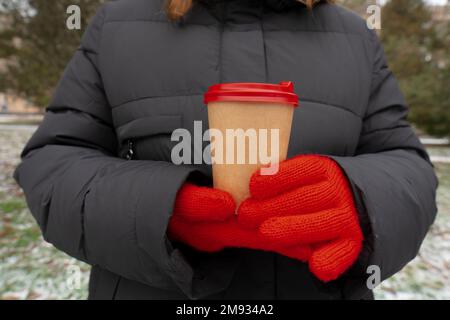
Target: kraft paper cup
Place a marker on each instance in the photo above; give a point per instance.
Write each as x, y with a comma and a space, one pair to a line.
249, 127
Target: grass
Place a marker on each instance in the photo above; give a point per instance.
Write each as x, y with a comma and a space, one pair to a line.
12, 205
30, 268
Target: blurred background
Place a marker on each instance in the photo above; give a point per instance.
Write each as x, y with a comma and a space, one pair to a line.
35, 46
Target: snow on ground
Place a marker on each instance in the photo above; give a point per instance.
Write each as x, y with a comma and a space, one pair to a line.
32, 269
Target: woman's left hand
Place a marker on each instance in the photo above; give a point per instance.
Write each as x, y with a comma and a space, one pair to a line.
308, 202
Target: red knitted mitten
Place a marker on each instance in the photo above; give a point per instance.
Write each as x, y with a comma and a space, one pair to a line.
204, 219
308, 202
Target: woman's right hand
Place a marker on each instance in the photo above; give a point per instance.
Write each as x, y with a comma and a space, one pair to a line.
204, 218
203, 204
198, 213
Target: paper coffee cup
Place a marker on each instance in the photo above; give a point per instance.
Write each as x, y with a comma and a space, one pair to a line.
249, 127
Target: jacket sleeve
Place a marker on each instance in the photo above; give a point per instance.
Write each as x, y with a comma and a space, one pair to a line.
392, 177
90, 203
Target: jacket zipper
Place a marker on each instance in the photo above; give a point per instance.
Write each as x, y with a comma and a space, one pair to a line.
130, 152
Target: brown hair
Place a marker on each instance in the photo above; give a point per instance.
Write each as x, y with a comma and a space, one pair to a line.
176, 9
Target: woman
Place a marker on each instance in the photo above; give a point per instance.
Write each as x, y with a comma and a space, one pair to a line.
358, 189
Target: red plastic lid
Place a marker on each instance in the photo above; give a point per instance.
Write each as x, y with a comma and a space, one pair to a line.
252, 92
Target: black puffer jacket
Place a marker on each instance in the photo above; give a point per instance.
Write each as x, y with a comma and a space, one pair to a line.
137, 77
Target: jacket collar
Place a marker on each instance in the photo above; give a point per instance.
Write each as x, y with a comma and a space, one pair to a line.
245, 11
280, 5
